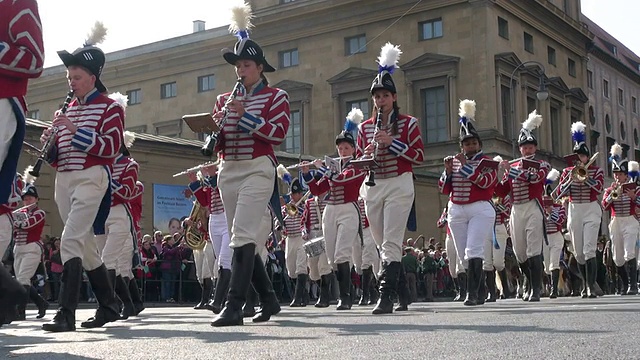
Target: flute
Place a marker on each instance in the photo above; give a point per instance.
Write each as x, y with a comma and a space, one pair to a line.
371, 178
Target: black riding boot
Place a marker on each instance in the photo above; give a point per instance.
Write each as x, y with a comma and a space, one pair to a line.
21, 307
301, 287
388, 286
367, 274
68, 297
344, 282
624, 279
10, 294
269, 304
40, 302
633, 277
482, 289
102, 287
535, 263
138, 304
474, 276
490, 277
506, 292
205, 294
242, 265
525, 268
462, 285
249, 308
582, 268
592, 269
222, 287
325, 292
403, 291
122, 290
374, 295
555, 278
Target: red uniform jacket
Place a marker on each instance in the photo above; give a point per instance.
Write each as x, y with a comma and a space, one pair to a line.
524, 184
468, 184
29, 230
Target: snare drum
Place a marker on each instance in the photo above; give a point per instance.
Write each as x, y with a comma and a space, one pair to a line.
314, 247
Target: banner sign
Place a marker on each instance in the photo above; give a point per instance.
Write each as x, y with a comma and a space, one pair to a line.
170, 207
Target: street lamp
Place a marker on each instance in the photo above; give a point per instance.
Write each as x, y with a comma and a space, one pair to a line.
542, 94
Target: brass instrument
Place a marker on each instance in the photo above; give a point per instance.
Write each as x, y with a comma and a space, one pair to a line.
212, 139
498, 205
580, 172
193, 238
47, 147
616, 192
196, 168
292, 208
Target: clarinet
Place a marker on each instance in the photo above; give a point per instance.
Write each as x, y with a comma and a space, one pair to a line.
47, 148
212, 139
371, 178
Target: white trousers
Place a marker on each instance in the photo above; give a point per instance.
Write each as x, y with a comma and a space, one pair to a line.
204, 261
125, 259
583, 225
455, 262
387, 206
471, 225
494, 258
624, 236
245, 187
340, 228
527, 230
295, 256
219, 233
8, 125
6, 232
552, 252
118, 239
78, 195
365, 254
26, 260
318, 265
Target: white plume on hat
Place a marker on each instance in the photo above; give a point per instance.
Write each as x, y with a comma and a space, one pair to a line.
553, 175
467, 109
616, 151
28, 178
97, 34
497, 158
283, 174
533, 121
634, 166
389, 57
121, 99
129, 138
241, 16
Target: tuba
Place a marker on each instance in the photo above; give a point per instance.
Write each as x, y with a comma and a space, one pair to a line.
193, 237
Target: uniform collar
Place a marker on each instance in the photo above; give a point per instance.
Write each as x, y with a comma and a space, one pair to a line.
89, 96
256, 88
477, 156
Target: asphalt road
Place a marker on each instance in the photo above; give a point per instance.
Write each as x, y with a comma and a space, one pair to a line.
566, 328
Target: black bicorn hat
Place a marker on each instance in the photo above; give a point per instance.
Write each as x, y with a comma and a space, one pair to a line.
296, 187
387, 63
350, 131
30, 190
526, 135
467, 113
617, 163
245, 48
89, 56
579, 138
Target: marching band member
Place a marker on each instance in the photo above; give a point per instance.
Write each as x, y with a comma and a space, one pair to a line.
624, 227
341, 218
555, 217
456, 268
204, 259
28, 226
585, 213
396, 145
365, 255
295, 257
219, 235
471, 216
135, 208
89, 138
246, 143
524, 182
319, 268
494, 250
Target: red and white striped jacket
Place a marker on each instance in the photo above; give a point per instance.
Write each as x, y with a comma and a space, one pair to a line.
21, 47
29, 230
468, 184
124, 175
135, 207
343, 188
292, 224
264, 124
524, 185
555, 219
363, 214
405, 151
15, 197
502, 215
623, 206
100, 121
208, 196
582, 193
310, 218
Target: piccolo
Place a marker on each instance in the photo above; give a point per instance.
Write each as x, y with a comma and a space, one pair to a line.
299, 165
